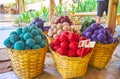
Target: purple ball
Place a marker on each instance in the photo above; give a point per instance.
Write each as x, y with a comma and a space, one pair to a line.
96, 40
94, 26
96, 32
101, 37
94, 36
101, 31
89, 29
88, 34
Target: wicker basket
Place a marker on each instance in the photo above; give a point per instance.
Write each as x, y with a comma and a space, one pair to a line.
71, 67
102, 53
27, 63
49, 39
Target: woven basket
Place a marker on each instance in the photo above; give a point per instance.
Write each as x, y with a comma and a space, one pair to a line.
49, 39
27, 63
102, 53
71, 67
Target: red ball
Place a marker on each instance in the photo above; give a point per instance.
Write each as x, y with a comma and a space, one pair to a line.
62, 51
63, 38
71, 53
56, 47
73, 45
82, 52
64, 45
71, 37
83, 38
56, 41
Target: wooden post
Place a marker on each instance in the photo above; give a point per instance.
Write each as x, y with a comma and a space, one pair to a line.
18, 5
23, 6
51, 12
112, 13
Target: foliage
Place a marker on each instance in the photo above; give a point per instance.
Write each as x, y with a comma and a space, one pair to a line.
84, 6
118, 8
26, 17
44, 13
60, 10
86, 24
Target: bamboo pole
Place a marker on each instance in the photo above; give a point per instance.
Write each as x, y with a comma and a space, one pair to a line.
51, 12
112, 13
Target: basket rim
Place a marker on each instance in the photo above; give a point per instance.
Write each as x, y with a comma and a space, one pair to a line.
55, 52
27, 50
107, 44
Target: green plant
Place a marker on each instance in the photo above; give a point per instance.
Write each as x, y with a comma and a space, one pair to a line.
84, 6
44, 13
118, 8
60, 10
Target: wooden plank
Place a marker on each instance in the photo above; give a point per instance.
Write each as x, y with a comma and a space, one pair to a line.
112, 13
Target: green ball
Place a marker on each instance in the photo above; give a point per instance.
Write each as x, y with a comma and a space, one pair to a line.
27, 35
25, 29
35, 32
43, 37
38, 39
43, 43
7, 42
21, 36
19, 45
13, 33
30, 42
14, 38
33, 26
40, 31
19, 30
27, 48
36, 46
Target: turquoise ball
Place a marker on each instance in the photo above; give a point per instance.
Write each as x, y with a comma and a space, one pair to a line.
27, 35
27, 48
40, 31
35, 32
19, 45
7, 42
14, 38
25, 29
33, 26
38, 39
21, 36
14, 32
43, 37
30, 42
19, 31
36, 46
43, 43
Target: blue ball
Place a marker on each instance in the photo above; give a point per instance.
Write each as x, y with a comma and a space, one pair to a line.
19, 45
7, 42
38, 39
30, 42
27, 35
27, 48
13, 33
21, 36
25, 29
40, 31
36, 46
35, 32
43, 43
33, 26
43, 37
19, 30
14, 38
